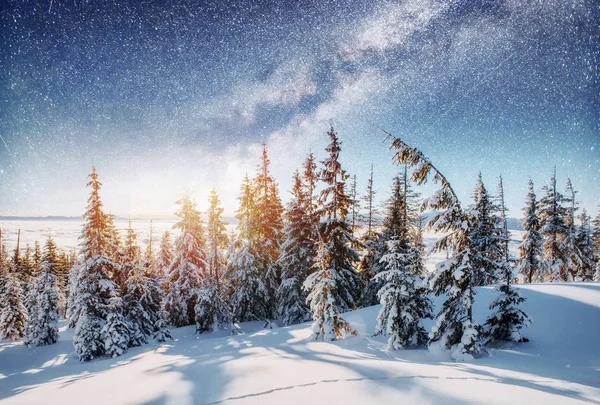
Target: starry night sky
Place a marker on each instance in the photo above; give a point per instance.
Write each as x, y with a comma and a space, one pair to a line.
169, 97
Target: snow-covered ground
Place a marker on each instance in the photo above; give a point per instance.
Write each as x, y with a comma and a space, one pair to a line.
560, 365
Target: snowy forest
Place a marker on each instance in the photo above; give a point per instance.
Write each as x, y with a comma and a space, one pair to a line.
326, 252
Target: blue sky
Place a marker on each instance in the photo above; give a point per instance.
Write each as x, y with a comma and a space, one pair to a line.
177, 97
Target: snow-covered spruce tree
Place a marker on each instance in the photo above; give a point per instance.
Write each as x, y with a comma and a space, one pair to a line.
212, 309
310, 178
24, 269
295, 258
370, 264
486, 245
161, 331
374, 247
454, 328
116, 332
141, 293
530, 250
13, 315
596, 240
36, 259
269, 226
65, 262
585, 247
596, 232
115, 245
576, 259
72, 312
334, 229
165, 257
141, 304
403, 297
506, 319
94, 290
369, 219
552, 216
401, 221
324, 300
505, 260
42, 326
217, 236
355, 207
149, 259
4, 266
249, 292
130, 257
187, 268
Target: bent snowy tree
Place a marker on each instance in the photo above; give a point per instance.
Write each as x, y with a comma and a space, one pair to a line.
454, 328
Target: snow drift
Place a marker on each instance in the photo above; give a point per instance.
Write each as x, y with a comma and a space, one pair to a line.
560, 364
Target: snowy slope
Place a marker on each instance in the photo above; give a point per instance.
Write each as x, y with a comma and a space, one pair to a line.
561, 365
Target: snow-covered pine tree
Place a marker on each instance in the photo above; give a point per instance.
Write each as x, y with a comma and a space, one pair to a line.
149, 260
454, 328
323, 299
355, 207
269, 210
165, 257
506, 319
295, 258
269, 226
141, 294
212, 309
310, 179
394, 222
73, 311
13, 314
401, 221
187, 268
369, 219
115, 245
248, 293
36, 259
596, 240
530, 250
505, 260
576, 257
116, 331
94, 290
161, 331
24, 269
486, 243
42, 326
334, 229
217, 236
552, 216
4, 266
374, 247
585, 247
131, 257
403, 297
141, 304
